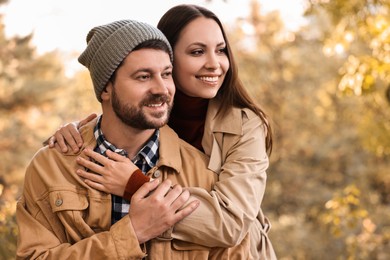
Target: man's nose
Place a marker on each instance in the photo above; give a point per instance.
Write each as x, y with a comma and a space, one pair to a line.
159, 86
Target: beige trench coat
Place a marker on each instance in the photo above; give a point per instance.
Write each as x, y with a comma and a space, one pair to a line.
60, 217
236, 147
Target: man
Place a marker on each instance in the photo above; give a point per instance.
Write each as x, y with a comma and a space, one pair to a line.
60, 217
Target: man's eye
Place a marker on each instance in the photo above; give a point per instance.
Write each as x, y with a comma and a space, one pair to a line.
143, 77
167, 74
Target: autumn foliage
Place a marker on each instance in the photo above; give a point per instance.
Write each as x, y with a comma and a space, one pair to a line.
326, 89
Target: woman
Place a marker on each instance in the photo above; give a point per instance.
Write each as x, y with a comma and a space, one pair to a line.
214, 113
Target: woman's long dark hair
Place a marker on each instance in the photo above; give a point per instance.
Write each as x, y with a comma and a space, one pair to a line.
232, 92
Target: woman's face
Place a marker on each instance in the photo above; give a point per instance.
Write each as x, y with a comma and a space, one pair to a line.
200, 60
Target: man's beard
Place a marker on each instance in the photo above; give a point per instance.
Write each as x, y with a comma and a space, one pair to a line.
134, 116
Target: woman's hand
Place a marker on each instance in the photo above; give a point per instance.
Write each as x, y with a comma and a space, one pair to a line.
68, 136
111, 176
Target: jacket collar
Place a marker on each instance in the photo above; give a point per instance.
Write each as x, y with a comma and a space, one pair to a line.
169, 149
87, 132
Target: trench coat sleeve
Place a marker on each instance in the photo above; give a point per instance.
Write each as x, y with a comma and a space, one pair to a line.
226, 213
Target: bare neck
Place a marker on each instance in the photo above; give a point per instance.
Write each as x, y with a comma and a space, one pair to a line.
123, 136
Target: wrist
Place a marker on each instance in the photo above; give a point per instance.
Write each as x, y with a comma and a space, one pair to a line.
136, 180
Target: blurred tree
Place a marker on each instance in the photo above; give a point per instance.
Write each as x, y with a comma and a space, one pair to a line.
35, 98
348, 221
318, 134
27, 86
361, 30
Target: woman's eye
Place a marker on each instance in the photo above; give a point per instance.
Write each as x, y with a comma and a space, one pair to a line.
197, 52
222, 50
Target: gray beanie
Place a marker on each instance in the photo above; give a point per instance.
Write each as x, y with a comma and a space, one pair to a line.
109, 44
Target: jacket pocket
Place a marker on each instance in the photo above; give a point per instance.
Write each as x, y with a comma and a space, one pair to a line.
61, 200
71, 208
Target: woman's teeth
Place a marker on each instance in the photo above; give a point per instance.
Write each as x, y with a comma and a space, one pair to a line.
209, 79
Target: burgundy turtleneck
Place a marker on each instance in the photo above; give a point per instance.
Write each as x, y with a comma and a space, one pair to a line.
188, 118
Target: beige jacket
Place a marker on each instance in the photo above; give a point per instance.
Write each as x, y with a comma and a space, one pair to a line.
236, 146
60, 217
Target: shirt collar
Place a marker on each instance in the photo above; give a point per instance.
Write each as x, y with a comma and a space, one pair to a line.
149, 152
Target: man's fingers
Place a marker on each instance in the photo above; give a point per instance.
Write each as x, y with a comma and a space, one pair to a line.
174, 193
180, 200
145, 189
163, 189
187, 210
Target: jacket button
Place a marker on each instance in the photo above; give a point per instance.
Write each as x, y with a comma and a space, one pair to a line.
59, 202
156, 174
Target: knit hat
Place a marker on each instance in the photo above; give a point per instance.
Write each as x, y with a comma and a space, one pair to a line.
109, 44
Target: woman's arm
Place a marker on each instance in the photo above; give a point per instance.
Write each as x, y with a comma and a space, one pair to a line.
115, 174
227, 212
122, 178
234, 203
67, 137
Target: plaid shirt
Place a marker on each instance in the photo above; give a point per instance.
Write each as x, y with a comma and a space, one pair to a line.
146, 159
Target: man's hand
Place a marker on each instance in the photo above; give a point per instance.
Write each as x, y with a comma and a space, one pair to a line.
152, 214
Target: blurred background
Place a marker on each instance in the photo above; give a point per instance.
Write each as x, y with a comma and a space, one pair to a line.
319, 68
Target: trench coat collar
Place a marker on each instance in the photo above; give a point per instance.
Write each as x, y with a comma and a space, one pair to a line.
231, 123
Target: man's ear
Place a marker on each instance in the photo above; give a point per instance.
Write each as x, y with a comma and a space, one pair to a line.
106, 93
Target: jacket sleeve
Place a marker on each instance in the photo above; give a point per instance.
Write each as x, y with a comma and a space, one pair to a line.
226, 213
45, 233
